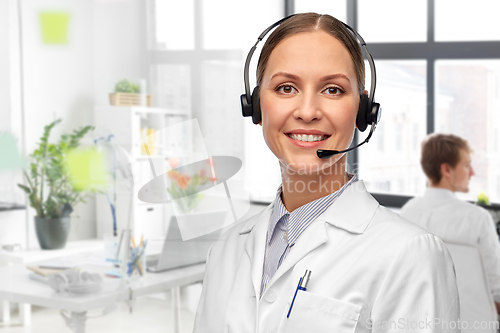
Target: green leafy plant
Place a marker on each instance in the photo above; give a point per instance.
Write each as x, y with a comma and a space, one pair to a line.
483, 199
126, 86
49, 189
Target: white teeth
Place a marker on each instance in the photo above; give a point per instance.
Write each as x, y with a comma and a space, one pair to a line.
307, 138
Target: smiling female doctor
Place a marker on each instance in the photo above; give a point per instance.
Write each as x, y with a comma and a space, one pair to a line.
370, 270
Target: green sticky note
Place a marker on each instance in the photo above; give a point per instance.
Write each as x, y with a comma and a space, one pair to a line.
10, 158
87, 169
54, 27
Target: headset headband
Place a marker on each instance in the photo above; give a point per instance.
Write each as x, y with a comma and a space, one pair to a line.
265, 32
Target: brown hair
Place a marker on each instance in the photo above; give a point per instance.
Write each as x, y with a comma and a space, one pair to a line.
308, 22
438, 149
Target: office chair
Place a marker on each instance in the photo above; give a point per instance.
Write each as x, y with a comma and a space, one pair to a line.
476, 301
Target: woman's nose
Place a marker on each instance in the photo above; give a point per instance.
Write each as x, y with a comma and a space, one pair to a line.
472, 173
309, 108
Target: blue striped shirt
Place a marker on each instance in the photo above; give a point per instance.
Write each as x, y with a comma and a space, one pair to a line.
285, 228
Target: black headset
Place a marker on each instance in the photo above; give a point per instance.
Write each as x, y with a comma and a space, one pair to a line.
369, 112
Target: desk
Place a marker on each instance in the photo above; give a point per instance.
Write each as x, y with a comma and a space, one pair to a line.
36, 254
16, 286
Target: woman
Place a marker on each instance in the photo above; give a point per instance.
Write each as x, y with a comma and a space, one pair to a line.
371, 271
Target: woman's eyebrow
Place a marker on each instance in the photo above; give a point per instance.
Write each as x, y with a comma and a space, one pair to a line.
324, 78
335, 76
285, 74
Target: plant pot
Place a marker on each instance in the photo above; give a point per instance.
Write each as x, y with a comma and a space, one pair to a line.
129, 99
52, 234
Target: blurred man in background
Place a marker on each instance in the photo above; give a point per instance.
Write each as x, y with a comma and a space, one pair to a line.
446, 161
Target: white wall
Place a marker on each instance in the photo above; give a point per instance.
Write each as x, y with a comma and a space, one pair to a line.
66, 81
4, 65
118, 45
58, 81
12, 223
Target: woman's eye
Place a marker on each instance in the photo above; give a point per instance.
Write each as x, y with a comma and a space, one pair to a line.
286, 89
333, 91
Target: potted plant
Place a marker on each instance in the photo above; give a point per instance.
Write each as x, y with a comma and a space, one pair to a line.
50, 190
128, 94
483, 199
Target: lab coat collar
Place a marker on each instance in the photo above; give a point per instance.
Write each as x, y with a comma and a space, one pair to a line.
345, 213
350, 219
251, 222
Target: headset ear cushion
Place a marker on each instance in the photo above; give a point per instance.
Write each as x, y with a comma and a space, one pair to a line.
246, 108
256, 114
363, 112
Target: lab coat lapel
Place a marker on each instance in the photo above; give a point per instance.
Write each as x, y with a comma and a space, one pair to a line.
343, 214
314, 236
255, 247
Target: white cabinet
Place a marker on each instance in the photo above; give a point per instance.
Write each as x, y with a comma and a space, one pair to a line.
128, 125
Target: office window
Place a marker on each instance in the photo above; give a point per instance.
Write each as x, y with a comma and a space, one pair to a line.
242, 24
171, 25
391, 156
195, 62
467, 105
221, 80
463, 20
172, 88
459, 83
392, 20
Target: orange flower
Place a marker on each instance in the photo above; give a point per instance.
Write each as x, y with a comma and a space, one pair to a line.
173, 162
174, 175
183, 181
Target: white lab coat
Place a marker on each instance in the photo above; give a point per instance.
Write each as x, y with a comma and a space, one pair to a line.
441, 213
372, 271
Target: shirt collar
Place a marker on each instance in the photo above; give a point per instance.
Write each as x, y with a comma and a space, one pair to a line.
280, 210
436, 192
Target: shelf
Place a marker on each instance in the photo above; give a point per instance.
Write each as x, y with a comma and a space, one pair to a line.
146, 157
144, 110
165, 112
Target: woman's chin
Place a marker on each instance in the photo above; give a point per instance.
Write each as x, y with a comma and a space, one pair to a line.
309, 166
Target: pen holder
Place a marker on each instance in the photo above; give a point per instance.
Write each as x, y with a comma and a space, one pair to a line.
136, 265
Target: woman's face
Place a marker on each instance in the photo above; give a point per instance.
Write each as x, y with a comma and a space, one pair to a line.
309, 100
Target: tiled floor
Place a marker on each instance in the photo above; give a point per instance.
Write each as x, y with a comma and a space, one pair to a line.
150, 314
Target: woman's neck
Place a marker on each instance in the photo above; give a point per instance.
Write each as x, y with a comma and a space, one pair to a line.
298, 190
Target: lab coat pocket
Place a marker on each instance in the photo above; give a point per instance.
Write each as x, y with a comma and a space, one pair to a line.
315, 313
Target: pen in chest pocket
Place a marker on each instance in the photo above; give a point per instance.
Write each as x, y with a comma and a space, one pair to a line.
303, 281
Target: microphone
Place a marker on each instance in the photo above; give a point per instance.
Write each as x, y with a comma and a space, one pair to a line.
324, 153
